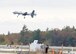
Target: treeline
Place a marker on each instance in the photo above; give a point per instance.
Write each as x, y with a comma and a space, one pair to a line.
54, 37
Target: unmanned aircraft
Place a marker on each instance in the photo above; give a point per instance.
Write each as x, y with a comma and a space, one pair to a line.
32, 14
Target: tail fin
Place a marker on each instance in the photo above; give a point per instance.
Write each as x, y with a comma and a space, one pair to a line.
33, 13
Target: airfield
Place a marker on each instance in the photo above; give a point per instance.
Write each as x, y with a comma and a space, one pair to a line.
24, 49
35, 48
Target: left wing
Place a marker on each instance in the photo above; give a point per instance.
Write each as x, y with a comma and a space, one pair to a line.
17, 12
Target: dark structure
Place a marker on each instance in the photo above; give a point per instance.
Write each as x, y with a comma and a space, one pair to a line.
46, 49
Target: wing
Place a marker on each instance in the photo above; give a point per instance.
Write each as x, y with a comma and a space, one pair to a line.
17, 13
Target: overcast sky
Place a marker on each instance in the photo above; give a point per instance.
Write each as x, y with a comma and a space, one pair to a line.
50, 13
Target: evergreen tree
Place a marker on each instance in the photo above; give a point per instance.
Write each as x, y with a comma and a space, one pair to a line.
36, 35
23, 39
